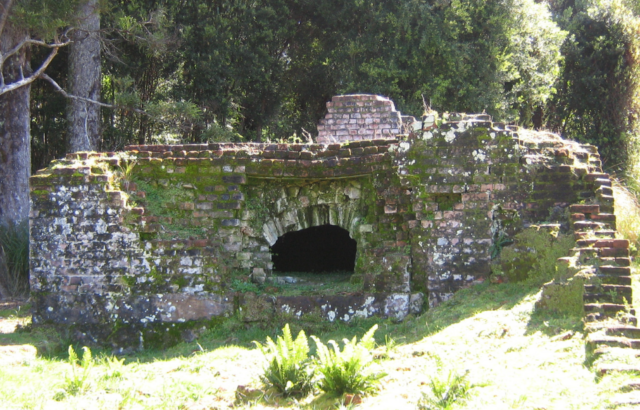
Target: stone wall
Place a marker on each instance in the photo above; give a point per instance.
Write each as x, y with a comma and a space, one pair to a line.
158, 237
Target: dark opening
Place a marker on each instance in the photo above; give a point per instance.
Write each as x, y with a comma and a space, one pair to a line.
325, 248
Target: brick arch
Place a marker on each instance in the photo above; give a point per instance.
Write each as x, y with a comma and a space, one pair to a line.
346, 217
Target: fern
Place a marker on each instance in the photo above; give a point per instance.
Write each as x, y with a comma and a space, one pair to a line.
349, 370
446, 392
288, 370
78, 381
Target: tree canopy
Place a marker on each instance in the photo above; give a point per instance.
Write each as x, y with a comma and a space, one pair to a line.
263, 70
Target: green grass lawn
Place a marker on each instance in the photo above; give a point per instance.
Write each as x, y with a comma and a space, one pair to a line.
513, 358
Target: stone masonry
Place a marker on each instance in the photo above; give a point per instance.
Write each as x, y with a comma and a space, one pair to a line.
148, 242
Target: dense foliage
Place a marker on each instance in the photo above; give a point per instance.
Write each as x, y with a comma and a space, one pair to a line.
598, 89
263, 70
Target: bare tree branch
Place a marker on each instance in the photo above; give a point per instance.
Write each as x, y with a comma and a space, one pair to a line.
87, 100
28, 80
14, 50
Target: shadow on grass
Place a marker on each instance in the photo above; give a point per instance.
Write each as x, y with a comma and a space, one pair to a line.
234, 332
464, 304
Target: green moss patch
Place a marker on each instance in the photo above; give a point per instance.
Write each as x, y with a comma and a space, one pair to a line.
533, 255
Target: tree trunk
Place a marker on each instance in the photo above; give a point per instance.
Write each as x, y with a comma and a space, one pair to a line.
83, 133
15, 139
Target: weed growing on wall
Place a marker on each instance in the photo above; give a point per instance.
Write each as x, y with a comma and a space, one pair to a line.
289, 371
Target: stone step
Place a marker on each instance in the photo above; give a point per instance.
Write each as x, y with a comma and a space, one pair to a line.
607, 208
613, 252
581, 252
624, 290
601, 252
604, 191
628, 354
604, 233
632, 385
593, 176
585, 243
602, 182
609, 270
614, 280
594, 295
590, 226
610, 309
617, 368
597, 317
596, 341
612, 261
584, 209
631, 332
628, 400
604, 217
602, 243
602, 298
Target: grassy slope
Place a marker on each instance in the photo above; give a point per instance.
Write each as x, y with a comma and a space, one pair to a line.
516, 359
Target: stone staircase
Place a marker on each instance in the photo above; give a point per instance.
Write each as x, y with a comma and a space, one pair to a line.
610, 321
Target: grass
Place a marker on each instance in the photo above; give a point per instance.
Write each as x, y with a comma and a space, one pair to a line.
325, 284
627, 215
514, 357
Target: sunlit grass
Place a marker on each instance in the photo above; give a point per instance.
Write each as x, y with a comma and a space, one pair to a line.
515, 359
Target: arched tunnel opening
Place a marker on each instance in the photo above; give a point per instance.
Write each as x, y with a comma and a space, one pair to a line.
319, 249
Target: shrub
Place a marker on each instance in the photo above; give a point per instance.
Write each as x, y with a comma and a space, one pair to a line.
288, 370
533, 255
14, 258
349, 370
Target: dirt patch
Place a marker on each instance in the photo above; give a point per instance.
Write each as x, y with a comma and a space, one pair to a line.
12, 315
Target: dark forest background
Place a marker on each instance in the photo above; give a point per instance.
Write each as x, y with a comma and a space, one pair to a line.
258, 70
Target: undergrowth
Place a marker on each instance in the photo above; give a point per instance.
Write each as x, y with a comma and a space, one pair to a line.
290, 370
14, 258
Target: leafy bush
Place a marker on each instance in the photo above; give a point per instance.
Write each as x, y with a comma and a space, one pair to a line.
349, 370
14, 258
288, 371
445, 392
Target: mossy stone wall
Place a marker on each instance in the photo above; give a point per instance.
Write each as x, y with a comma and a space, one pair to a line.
162, 234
